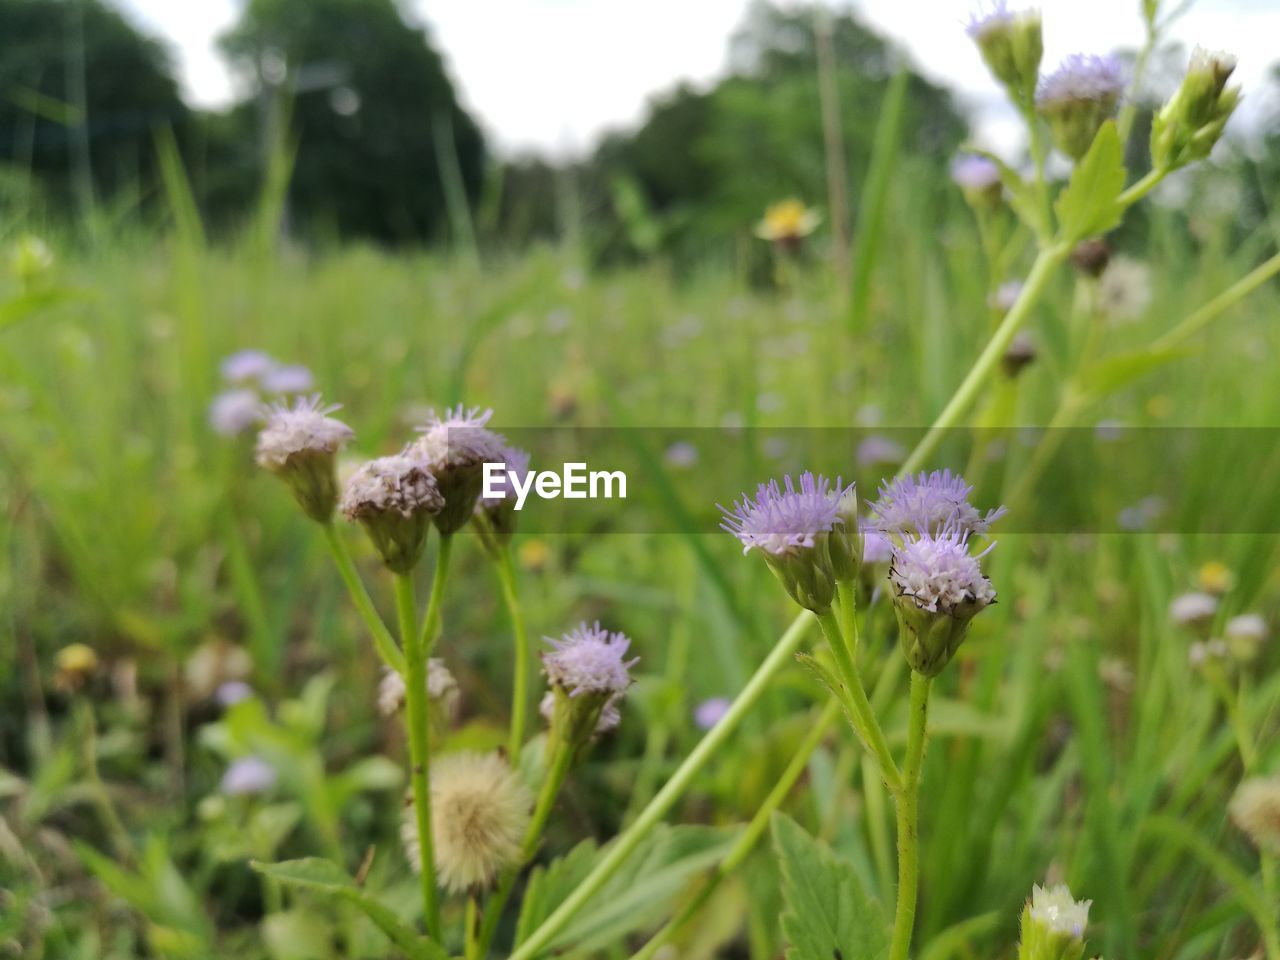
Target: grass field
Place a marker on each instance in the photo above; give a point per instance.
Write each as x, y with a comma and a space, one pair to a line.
1072, 739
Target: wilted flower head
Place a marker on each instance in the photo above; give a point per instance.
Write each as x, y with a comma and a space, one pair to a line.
928, 503
1012, 45
1078, 98
234, 412
479, 813
978, 178
248, 775
456, 446
1193, 609
938, 589
247, 366
791, 527
1255, 809
589, 659
394, 499
299, 444
709, 712
1189, 125
788, 222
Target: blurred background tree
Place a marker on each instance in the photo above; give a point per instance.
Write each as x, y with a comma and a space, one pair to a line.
81, 94
383, 149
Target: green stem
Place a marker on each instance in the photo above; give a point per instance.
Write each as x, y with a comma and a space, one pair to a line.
431, 622
674, 788
908, 819
749, 837
471, 939
416, 721
1235, 716
1144, 186
1038, 154
520, 637
1048, 260
861, 715
111, 821
1219, 304
382, 639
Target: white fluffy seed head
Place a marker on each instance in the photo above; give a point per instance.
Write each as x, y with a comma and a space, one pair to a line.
479, 812
1255, 809
401, 483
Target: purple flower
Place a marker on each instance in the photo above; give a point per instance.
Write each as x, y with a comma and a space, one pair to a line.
232, 692
710, 712
877, 451
234, 412
999, 16
681, 454
589, 659
247, 365
876, 547
1083, 77
517, 462
928, 503
1005, 296
293, 378
458, 438
937, 572
971, 171
784, 520
248, 775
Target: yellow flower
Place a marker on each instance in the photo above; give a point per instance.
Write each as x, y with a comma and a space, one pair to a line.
787, 222
534, 555
75, 663
1216, 577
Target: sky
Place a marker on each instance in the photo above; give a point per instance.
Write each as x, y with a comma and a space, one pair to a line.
555, 74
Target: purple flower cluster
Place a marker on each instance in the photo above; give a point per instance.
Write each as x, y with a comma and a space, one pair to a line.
929, 503
937, 572
971, 172
589, 659
784, 519
252, 378
1083, 77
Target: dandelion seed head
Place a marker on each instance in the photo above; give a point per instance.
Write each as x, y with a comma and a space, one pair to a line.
785, 519
303, 428
928, 502
480, 809
589, 659
1255, 810
1055, 909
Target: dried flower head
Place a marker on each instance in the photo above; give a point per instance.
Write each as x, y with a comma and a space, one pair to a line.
456, 445
928, 503
1078, 98
299, 444
1091, 256
394, 499
248, 775
442, 688
479, 813
1255, 810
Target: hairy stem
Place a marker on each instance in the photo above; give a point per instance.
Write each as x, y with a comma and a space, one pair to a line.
419, 746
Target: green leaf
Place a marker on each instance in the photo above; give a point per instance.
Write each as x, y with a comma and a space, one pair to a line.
1119, 370
1021, 195
1088, 205
326, 877
549, 886
828, 914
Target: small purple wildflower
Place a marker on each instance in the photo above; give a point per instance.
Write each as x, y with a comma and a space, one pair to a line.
293, 378
1083, 77
1191, 609
879, 451
305, 427
248, 775
938, 573
929, 503
710, 712
589, 659
1005, 296
681, 455
783, 520
971, 171
234, 412
999, 16
517, 462
247, 365
458, 438
876, 547
232, 692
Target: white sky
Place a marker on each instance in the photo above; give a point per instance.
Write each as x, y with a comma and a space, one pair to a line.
553, 74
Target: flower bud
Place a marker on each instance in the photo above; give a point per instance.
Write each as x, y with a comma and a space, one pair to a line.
1020, 353
938, 589
1188, 126
299, 444
1078, 98
394, 499
1091, 256
588, 673
1053, 925
844, 543
456, 447
1012, 46
979, 180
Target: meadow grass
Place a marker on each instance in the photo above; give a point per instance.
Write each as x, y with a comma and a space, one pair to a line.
1072, 740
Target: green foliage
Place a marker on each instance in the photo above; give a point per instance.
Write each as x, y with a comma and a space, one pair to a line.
828, 912
1089, 205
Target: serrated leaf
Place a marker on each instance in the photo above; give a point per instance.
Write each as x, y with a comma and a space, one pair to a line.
1088, 205
326, 877
828, 914
1119, 370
